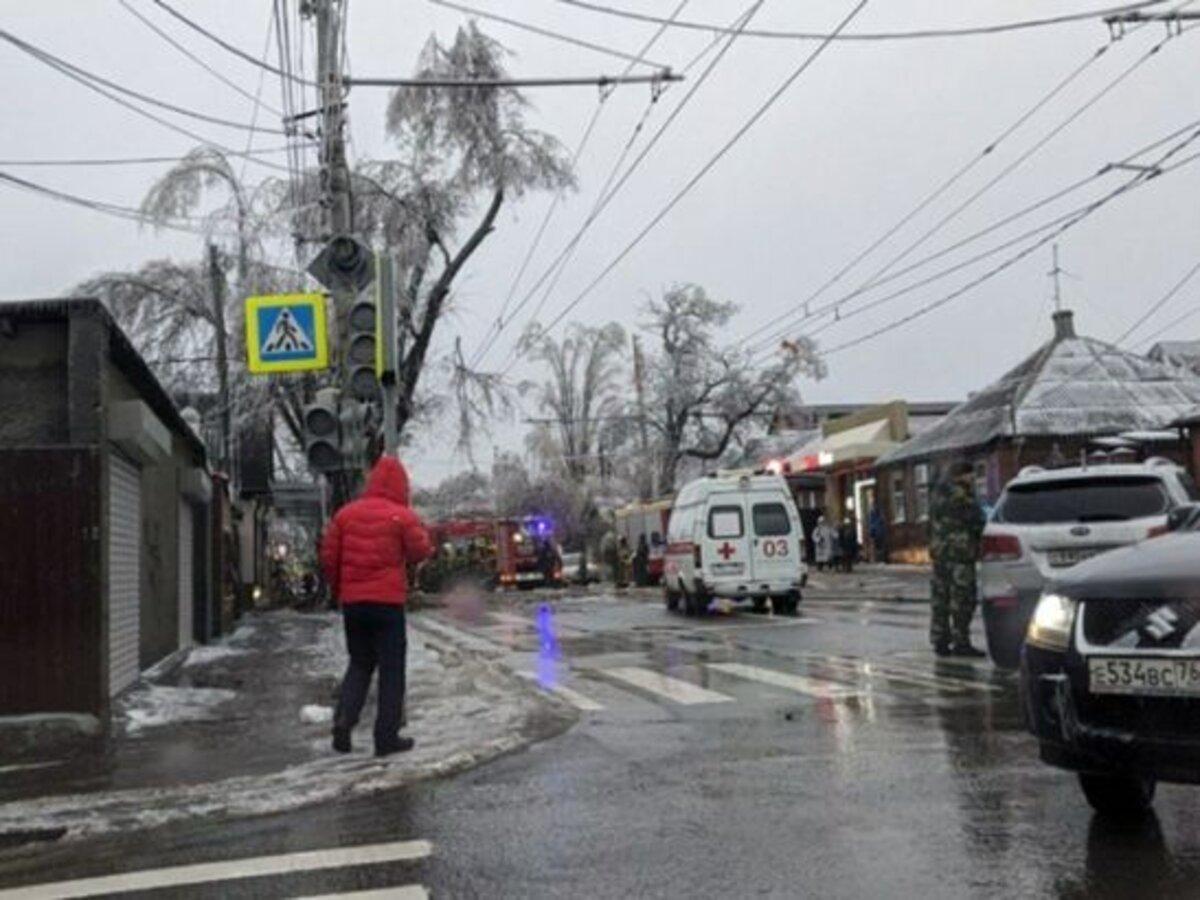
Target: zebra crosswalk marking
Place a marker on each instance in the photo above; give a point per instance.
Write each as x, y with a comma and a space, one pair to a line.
225, 870
813, 687
904, 673
673, 689
576, 699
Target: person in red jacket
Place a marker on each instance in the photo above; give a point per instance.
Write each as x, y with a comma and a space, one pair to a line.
364, 553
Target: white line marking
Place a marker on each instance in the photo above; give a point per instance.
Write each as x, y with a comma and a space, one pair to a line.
825, 690
576, 699
672, 689
227, 870
407, 892
893, 672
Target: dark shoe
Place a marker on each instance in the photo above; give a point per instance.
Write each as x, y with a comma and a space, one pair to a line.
341, 740
400, 745
941, 648
967, 650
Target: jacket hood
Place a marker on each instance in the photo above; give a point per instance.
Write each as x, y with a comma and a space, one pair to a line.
389, 480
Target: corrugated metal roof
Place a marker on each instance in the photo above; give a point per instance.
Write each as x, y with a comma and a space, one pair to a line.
1070, 386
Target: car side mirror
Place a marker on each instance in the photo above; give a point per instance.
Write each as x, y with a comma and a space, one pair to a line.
1181, 516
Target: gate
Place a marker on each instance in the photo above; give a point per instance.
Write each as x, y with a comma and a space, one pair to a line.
51, 630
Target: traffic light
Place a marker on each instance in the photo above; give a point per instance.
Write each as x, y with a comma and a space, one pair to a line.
362, 348
355, 421
344, 264
322, 426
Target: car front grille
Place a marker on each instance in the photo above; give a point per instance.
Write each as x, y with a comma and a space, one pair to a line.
1145, 625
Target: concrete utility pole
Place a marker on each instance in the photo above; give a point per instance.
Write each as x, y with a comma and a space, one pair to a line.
389, 351
216, 279
335, 173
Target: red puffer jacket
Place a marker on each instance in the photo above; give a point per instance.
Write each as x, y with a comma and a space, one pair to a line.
369, 542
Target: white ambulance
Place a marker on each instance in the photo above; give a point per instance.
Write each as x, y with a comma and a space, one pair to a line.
737, 536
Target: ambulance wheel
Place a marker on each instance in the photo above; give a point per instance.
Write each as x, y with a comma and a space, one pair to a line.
671, 598
787, 605
760, 605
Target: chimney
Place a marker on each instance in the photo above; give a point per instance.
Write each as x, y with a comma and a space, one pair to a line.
1064, 324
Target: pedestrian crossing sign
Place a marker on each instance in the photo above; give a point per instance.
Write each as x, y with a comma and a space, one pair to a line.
286, 333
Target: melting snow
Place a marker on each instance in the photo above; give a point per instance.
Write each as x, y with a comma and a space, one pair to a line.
203, 655
315, 714
157, 705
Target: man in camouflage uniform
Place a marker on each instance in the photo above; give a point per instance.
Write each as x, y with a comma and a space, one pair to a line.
955, 525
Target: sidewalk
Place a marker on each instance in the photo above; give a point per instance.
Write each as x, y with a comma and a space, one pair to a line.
242, 728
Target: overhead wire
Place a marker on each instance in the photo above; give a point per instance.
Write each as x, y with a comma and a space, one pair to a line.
757, 115
224, 44
258, 104
835, 306
1140, 178
997, 28
607, 194
63, 66
554, 35
166, 123
194, 58
120, 160
1159, 304
552, 207
938, 191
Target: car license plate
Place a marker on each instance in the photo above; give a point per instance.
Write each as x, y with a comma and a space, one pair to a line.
1063, 558
1144, 677
529, 576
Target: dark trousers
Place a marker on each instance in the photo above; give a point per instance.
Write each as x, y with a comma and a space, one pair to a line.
375, 639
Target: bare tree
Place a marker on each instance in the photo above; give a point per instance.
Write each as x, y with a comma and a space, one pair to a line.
700, 395
581, 393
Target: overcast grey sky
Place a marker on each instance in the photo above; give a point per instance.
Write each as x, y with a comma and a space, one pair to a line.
859, 139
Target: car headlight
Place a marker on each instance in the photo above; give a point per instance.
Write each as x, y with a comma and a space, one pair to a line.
1050, 627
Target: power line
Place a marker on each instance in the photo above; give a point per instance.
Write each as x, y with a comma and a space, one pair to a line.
1140, 178
197, 60
707, 167
874, 279
121, 160
600, 81
179, 129
936, 193
63, 66
545, 32
877, 35
606, 195
225, 45
1179, 285
557, 198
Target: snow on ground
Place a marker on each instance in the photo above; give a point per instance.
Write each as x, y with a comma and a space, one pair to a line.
464, 712
242, 635
201, 656
315, 714
155, 705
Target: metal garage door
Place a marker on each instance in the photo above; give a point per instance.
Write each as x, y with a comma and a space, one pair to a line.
187, 600
124, 571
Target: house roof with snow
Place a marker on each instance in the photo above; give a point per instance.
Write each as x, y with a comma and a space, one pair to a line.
1071, 386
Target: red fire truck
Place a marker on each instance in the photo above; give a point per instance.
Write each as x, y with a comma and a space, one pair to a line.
510, 551
649, 519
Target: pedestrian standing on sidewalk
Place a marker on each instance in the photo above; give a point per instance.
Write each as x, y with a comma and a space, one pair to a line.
823, 541
955, 525
848, 544
878, 529
365, 552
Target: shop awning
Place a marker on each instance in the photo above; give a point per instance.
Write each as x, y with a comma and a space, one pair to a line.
860, 442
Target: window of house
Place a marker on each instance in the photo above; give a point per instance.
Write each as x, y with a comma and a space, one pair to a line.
899, 505
921, 480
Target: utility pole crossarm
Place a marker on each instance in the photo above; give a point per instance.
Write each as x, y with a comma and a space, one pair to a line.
600, 81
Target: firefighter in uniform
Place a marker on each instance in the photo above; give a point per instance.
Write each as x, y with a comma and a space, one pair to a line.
955, 525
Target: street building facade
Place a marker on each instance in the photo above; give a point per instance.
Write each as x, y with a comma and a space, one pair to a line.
106, 567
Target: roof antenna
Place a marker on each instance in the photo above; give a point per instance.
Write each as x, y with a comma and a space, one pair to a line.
1055, 273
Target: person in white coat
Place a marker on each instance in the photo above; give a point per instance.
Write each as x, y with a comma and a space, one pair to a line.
824, 539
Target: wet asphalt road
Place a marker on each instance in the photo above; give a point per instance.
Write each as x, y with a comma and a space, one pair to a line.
826, 756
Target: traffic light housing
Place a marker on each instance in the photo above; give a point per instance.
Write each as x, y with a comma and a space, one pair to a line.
322, 432
362, 348
354, 419
345, 265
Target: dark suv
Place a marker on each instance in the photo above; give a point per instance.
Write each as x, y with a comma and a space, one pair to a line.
1110, 672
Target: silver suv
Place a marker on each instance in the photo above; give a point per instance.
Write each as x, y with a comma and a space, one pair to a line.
1048, 520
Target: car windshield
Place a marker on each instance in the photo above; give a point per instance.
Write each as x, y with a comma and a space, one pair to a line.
1108, 499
